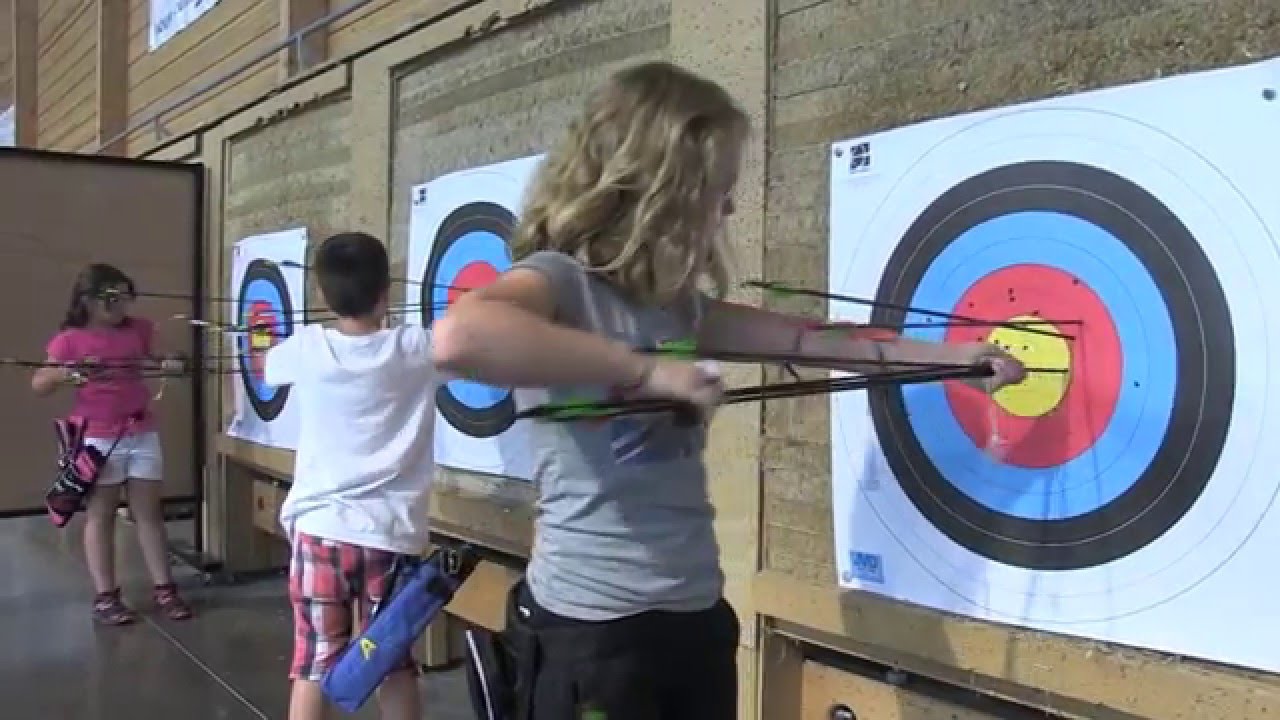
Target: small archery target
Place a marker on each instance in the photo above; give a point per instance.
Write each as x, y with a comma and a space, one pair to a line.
460, 227
470, 251
265, 313
1090, 244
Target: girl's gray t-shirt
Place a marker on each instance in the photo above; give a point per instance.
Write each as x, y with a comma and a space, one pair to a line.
624, 522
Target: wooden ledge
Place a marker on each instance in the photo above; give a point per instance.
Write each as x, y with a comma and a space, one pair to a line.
1072, 676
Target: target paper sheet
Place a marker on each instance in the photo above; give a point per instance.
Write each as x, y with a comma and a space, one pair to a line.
459, 232
1129, 499
268, 297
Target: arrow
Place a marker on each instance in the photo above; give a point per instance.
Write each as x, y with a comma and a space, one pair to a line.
565, 412
784, 290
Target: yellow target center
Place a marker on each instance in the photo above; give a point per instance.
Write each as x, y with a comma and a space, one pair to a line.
260, 340
1039, 393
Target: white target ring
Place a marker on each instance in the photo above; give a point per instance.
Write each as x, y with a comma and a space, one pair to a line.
1244, 255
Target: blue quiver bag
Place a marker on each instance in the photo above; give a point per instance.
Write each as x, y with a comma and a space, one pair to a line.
420, 590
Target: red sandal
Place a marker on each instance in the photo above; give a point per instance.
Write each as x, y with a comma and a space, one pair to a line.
109, 609
170, 603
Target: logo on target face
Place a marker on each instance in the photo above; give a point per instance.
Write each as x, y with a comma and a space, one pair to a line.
266, 314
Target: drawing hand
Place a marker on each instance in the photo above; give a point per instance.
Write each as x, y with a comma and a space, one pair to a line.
74, 374
173, 364
698, 385
1006, 369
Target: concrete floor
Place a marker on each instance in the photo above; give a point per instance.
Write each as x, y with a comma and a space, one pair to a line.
228, 663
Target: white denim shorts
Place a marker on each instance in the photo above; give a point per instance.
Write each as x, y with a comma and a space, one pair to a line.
136, 457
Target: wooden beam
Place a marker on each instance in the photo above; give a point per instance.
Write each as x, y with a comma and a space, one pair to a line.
113, 75
309, 50
780, 667
739, 61
26, 54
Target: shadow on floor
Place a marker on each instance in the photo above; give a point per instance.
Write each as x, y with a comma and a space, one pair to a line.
229, 663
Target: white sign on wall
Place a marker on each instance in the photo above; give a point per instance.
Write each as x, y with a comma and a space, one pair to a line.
8, 131
170, 17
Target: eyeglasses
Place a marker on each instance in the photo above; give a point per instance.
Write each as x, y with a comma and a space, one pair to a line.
113, 297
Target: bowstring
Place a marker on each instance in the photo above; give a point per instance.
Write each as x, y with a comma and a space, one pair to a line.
995, 445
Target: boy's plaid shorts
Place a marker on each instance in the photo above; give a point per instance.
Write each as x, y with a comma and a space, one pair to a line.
332, 586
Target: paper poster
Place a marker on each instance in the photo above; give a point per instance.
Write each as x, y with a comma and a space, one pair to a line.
459, 231
268, 297
1123, 244
8, 129
170, 17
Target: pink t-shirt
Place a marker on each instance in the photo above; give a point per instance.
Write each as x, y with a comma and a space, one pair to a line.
113, 395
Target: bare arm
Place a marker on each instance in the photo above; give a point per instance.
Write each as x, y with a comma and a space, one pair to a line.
741, 328
47, 379
504, 335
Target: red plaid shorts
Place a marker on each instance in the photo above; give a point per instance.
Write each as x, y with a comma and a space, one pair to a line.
332, 587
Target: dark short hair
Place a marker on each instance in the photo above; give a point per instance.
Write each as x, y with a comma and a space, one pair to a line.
353, 272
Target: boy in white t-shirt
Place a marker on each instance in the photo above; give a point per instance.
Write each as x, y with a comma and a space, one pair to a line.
363, 470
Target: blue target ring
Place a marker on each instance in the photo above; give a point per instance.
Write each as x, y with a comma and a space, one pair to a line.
1136, 430
471, 243
266, 313
1153, 458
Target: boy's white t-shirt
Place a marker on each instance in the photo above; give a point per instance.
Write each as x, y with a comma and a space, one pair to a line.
366, 409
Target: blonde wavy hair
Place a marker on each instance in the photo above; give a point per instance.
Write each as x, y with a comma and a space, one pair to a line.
636, 187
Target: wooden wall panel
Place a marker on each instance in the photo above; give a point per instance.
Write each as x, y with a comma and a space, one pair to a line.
138, 23
67, 82
223, 39
533, 77
376, 21
224, 100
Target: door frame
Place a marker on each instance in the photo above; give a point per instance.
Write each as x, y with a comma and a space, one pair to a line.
199, 439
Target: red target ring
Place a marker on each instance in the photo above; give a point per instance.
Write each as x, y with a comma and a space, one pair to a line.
262, 327
1062, 417
475, 274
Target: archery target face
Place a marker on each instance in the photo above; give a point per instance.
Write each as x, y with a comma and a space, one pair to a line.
265, 311
470, 251
1107, 456
1131, 479
459, 233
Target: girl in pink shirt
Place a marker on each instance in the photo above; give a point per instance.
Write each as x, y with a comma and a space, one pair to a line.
102, 352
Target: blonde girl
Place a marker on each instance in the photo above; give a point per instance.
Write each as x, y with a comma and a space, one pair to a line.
621, 246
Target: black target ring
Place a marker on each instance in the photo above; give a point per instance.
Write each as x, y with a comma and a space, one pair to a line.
1205, 380
263, 283
469, 235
